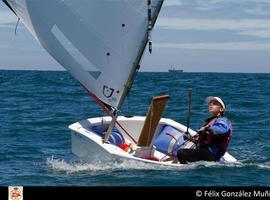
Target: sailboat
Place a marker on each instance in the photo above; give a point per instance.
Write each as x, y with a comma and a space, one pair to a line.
101, 43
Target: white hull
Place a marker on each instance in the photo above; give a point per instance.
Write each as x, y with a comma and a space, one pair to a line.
89, 146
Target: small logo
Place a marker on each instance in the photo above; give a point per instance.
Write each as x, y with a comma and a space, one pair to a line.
107, 92
15, 193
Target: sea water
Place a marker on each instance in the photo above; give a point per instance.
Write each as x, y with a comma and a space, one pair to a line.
36, 108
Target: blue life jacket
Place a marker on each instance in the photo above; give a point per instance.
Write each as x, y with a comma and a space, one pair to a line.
217, 135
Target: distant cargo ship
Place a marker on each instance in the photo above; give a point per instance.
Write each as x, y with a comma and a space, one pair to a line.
172, 69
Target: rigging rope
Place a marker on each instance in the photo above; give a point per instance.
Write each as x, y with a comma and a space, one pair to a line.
149, 26
17, 26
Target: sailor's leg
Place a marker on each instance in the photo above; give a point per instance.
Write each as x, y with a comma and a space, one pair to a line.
192, 155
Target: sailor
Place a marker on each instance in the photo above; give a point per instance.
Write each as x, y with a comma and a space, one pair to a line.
213, 138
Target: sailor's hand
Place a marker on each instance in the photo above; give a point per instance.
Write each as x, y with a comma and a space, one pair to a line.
186, 136
203, 130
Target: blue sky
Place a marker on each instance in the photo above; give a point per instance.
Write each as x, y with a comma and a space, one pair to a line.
194, 35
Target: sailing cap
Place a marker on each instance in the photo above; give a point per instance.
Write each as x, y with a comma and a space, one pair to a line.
211, 98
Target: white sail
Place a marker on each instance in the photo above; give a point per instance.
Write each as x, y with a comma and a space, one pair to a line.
97, 41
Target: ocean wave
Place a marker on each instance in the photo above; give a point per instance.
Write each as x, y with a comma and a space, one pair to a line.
113, 165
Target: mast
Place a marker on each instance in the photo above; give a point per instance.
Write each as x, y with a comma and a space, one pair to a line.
132, 73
